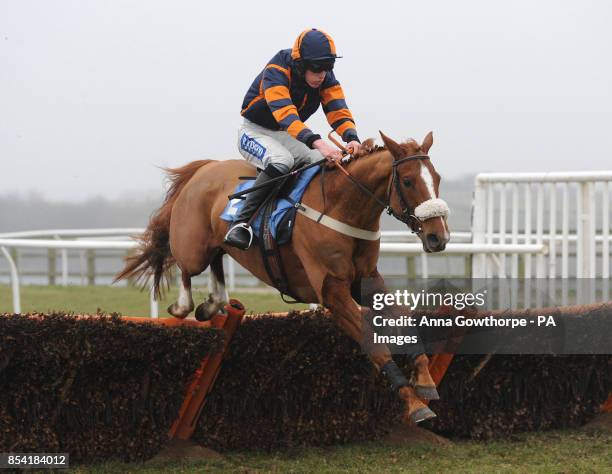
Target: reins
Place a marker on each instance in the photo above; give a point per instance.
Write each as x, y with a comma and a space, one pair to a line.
407, 214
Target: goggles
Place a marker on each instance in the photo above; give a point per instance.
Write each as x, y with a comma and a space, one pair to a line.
319, 66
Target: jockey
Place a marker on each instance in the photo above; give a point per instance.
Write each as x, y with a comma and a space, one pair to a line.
273, 136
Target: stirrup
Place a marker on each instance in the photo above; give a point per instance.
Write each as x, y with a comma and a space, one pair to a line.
242, 225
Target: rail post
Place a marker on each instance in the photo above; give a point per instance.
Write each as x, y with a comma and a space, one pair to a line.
153, 305
64, 260
478, 228
51, 267
14, 280
91, 267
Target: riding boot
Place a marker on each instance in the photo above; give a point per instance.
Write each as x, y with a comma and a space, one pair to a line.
240, 234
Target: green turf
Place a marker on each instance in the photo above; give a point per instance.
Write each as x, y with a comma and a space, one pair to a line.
128, 301
559, 451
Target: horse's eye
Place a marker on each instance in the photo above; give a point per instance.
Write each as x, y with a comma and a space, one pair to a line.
407, 182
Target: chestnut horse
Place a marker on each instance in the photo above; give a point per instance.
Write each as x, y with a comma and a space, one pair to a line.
323, 265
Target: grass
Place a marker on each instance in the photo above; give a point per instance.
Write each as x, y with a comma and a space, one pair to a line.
558, 451
128, 301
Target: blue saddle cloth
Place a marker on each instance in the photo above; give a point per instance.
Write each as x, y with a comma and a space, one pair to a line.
282, 205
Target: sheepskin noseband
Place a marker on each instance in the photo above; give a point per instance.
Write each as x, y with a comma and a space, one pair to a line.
435, 207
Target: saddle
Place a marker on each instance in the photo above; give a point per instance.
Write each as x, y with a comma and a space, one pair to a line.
273, 222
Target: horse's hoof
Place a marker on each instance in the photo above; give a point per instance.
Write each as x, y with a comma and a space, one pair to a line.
427, 392
205, 311
174, 311
421, 414
202, 313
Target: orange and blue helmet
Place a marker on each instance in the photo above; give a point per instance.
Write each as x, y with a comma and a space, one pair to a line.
315, 48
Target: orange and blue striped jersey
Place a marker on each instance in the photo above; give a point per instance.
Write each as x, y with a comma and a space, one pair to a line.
279, 99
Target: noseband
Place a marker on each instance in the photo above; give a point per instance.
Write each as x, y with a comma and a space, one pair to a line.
407, 215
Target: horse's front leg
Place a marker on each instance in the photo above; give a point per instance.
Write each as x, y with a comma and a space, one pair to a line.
347, 314
424, 385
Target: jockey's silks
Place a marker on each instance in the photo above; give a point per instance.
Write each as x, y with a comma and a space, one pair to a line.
280, 99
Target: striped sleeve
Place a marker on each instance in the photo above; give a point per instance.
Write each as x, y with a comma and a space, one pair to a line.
275, 84
336, 111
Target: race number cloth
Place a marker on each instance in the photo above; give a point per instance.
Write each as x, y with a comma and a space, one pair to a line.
283, 205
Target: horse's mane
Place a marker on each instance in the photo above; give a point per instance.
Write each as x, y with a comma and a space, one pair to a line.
369, 148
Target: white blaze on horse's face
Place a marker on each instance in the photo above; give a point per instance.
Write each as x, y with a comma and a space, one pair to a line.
433, 207
428, 180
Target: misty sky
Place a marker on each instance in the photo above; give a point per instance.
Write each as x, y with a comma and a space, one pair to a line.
96, 95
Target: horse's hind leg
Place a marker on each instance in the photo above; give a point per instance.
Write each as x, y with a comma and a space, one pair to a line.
218, 278
184, 303
219, 297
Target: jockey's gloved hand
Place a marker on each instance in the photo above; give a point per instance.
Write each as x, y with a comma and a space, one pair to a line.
328, 150
354, 147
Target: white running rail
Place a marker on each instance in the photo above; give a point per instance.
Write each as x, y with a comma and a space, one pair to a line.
26, 240
569, 213
393, 243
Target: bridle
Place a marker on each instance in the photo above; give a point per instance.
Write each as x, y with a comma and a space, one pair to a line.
407, 212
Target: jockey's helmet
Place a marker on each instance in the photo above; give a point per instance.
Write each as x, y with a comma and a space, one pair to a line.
315, 50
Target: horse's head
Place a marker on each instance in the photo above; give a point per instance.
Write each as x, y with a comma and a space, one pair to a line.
413, 192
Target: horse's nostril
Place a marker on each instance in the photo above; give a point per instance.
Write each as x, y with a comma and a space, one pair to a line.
433, 240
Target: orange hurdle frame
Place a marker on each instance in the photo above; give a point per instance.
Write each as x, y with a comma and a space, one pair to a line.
206, 374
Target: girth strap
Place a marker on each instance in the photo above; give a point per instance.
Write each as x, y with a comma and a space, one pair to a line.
270, 253
336, 224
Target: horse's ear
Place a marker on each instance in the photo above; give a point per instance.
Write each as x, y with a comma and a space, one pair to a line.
427, 142
393, 147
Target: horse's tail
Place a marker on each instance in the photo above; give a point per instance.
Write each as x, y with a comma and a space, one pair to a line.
153, 255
